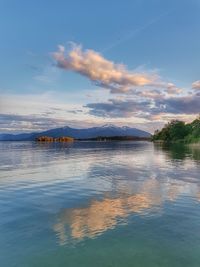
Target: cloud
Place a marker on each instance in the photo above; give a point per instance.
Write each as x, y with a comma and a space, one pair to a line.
119, 108
139, 95
99, 70
150, 94
196, 85
172, 89
186, 105
114, 77
147, 108
16, 123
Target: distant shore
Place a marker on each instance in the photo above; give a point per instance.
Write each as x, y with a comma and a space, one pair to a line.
70, 139
115, 138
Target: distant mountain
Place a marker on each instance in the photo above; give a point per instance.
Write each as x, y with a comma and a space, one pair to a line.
105, 130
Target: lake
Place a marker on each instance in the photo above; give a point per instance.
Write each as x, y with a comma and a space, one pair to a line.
99, 204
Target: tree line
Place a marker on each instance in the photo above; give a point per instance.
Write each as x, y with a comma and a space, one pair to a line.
177, 130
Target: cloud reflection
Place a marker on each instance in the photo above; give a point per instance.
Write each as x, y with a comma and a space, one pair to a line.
102, 215
99, 216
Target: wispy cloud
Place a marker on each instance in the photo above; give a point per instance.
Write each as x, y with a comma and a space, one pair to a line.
48, 75
101, 71
172, 89
112, 76
196, 85
16, 123
131, 34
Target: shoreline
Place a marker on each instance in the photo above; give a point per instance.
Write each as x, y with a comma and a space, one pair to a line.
176, 142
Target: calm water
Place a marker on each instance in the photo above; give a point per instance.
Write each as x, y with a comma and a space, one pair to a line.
99, 204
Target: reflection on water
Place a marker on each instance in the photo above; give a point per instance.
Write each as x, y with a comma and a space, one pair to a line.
180, 151
62, 196
101, 215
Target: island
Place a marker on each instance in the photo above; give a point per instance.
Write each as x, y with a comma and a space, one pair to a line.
52, 139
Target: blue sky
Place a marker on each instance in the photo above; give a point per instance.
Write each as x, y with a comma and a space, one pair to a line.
157, 40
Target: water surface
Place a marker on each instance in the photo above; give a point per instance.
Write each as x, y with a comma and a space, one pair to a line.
99, 204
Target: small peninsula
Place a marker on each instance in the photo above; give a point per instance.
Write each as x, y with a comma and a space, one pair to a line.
179, 131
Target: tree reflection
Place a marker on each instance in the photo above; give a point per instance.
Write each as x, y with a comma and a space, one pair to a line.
180, 151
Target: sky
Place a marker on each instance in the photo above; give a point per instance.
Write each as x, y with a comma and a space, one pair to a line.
89, 63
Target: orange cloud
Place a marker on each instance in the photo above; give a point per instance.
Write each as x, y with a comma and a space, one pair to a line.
100, 70
100, 216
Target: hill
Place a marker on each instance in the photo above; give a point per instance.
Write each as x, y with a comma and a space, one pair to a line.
87, 133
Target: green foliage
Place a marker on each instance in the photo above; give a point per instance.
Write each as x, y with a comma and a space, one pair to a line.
179, 131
